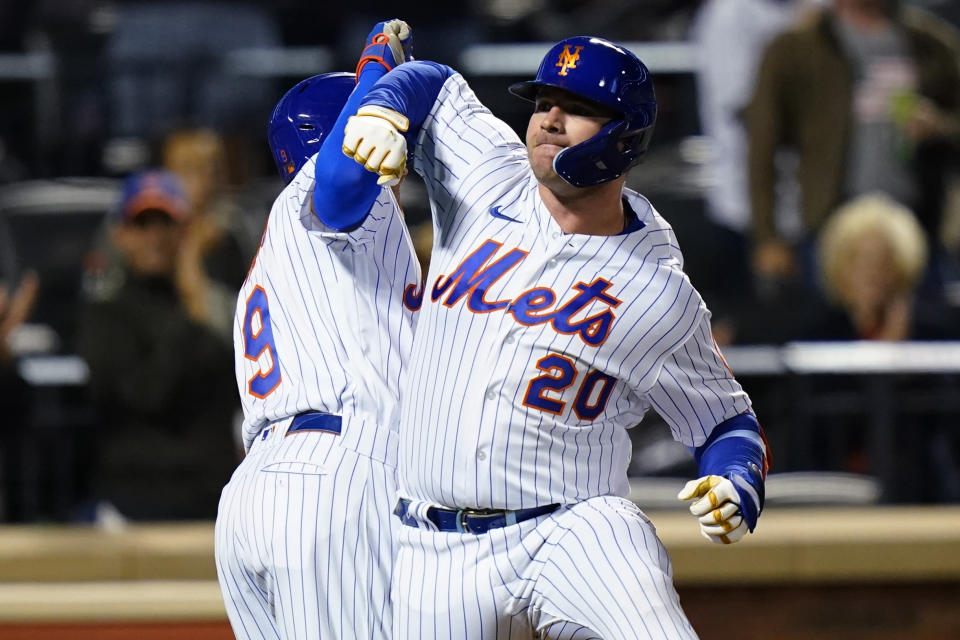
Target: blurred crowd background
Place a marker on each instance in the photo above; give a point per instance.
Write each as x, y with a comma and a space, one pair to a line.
807, 153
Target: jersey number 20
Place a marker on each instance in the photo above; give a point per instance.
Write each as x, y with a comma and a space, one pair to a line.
559, 375
258, 344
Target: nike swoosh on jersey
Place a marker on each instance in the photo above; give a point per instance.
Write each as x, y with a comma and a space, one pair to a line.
495, 212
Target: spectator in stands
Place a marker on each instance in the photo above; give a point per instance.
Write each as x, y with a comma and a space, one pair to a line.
160, 373
872, 256
216, 240
217, 244
730, 36
868, 93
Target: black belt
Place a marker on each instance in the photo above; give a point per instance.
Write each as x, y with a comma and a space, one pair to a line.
471, 520
315, 421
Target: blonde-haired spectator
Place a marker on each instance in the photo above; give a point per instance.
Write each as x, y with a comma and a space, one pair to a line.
199, 157
873, 254
217, 245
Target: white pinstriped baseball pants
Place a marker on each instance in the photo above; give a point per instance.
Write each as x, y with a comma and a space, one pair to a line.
304, 541
593, 570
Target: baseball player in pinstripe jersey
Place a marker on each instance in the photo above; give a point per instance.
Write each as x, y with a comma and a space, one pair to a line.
304, 531
555, 314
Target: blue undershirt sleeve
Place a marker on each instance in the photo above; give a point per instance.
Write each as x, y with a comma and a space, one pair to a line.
410, 89
736, 450
345, 191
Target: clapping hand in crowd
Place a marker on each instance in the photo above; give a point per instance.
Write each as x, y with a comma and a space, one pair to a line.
15, 308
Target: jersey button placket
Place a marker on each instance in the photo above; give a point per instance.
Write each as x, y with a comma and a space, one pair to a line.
470, 424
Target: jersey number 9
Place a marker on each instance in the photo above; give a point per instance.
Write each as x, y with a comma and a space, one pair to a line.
258, 344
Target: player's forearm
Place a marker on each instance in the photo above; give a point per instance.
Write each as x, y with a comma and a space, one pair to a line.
736, 447
733, 444
412, 90
344, 190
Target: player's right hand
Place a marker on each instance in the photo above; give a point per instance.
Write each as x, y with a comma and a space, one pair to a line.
716, 507
389, 43
373, 138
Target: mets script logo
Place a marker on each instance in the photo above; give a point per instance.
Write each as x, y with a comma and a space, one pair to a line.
568, 60
539, 305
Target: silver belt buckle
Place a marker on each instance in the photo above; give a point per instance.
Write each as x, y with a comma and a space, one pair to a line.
462, 521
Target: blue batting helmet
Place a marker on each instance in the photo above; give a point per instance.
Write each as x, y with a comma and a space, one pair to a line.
606, 73
304, 115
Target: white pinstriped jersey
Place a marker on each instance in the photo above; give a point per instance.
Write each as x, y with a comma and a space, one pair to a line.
304, 340
537, 349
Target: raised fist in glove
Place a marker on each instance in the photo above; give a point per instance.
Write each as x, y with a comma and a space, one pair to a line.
726, 511
373, 137
389, 43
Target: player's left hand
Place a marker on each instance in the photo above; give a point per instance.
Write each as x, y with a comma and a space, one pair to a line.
373, 138
389, 43
928, 121
717, 508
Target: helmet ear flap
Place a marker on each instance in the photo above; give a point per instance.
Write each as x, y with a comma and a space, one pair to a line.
604, 157
593, 161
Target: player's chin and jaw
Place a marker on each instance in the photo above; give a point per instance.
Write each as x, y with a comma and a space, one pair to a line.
541, 157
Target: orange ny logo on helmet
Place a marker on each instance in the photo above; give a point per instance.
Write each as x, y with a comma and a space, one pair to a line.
567, 59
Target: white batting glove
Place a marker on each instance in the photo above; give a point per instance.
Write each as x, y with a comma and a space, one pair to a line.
717, 508
373, 138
